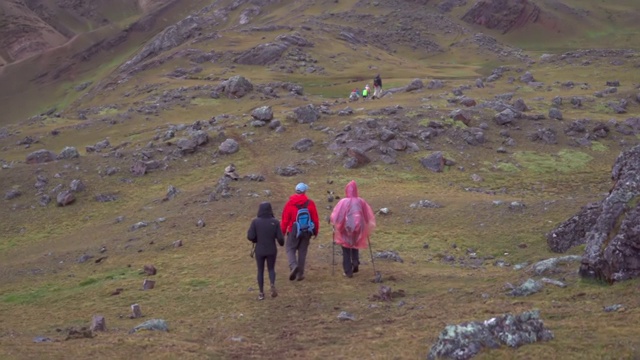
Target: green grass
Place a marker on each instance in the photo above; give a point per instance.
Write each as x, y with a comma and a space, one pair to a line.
564, 161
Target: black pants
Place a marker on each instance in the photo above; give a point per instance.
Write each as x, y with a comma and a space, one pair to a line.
271, 266
297, 252
350, 259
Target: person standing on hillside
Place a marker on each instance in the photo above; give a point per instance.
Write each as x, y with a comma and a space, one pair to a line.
377, 87
365, 92
299, 223
353, 221
264, 231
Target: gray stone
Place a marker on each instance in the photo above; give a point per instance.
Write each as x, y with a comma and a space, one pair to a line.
288, 171
77, 185
555, 113
550, 265
415, 84
464, 341
69, 152
557, 283
40, 156
65, 198
527, 288
425, 204
172, 191
263, 113
346, 316
388, 255
507, 116
434, 162
306, 114
12, 194
229, 146
302, 145
153, 325
98, 323
236, 87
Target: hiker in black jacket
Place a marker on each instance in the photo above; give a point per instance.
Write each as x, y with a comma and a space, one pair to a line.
263, 232
377, 87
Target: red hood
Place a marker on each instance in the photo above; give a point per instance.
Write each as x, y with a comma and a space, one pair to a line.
298, 199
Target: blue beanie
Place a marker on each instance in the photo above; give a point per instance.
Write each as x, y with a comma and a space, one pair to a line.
301, 188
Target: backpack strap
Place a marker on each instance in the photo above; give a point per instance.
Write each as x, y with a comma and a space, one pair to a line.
303, 206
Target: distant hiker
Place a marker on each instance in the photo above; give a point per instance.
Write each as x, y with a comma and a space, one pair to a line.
263, 232
299, 223
353, 221
354, 95
365, 92
377, 87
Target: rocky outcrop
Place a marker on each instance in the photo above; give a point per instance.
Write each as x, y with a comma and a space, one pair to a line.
169, 38
503, 15
263, 54
609, 228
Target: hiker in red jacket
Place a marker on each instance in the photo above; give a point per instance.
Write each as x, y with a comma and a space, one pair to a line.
294, 243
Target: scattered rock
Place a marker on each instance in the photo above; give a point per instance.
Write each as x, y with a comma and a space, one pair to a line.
263, 113
68, 152
527, 288
12, 194
136, 312
150, 270
553, 282
153, 325
549, 265
302, 145
612, 308
98, 323
77, 185
172, 191
346, 316
425, 204
306, 114
65, 198
464, 341
148, 284
288, 171
40, 157
388, 255
229, 146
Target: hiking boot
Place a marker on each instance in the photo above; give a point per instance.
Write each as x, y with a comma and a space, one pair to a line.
261, 296
347, 275
294, 272
300, 277
274, 292
355, 269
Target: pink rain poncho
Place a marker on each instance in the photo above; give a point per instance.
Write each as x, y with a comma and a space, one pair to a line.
352, 219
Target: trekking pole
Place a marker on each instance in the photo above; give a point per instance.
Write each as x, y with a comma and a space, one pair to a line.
333, 252
375, 273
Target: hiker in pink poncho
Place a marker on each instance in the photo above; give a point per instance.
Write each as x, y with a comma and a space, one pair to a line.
353, 221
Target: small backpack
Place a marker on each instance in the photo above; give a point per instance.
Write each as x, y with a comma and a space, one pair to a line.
352, 225
304, 224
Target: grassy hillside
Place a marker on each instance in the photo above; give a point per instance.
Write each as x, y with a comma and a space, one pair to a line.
206, 289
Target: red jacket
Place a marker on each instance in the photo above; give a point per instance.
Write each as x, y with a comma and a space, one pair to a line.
291, 210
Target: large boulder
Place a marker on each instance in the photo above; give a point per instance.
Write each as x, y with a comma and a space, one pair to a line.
229, 146
236, 87
263, 113
69, 152
464, 341
611, 227
306, 114
41, 156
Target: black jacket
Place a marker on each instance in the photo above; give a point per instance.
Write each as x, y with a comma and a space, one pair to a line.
377, 81
264, 230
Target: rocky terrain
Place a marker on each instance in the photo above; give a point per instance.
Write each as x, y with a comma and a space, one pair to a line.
130, 179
